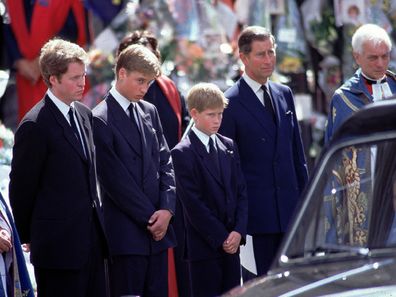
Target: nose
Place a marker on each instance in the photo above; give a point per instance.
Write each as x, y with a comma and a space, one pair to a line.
266, 59
383, 62
144, 88
81, 82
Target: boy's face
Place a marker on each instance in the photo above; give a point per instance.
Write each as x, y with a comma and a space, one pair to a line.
133, 85
209, 120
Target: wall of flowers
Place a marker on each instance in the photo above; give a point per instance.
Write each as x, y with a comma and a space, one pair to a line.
198, 43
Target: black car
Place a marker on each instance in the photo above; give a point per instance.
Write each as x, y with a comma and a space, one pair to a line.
342, 239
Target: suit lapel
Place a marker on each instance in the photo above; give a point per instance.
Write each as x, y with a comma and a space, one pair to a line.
67, 130
278, 100
281, 106
145, 126
123, 123
249, 100
85, 128
200, 149
147, 135
224, 162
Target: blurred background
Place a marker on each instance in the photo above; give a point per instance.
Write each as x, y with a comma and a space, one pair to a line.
197, 40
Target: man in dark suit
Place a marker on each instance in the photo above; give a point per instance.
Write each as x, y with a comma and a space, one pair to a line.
136, 176
212, 190
171, 108
53, 181
261, 119
163, 92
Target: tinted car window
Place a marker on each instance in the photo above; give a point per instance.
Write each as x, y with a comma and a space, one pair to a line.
355, 211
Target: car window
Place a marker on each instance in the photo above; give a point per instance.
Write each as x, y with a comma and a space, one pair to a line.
352, 207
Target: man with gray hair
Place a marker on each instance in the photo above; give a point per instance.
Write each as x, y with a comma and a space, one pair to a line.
351, 188
371, 48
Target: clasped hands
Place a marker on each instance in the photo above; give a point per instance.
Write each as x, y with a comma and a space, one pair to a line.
231, 244
158, 223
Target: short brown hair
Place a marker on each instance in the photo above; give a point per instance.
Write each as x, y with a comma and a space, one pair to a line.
145, 38
138, 58
253, 33
203, 96
55, 57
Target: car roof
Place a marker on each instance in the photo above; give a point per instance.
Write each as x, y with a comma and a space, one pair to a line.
376, 117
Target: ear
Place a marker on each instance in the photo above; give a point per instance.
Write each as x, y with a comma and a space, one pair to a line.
356, 56
53, 80
122, 73
194, 113
242, 56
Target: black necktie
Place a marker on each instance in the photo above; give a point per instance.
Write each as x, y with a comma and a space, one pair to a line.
74, 127
267, 102
132, 114
213, 154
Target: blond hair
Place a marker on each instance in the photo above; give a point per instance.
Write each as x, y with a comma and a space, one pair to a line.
138, 58
203, 96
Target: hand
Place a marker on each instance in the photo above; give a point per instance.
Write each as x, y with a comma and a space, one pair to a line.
28, 69
231, 244
5, 241
158, 223
26, 247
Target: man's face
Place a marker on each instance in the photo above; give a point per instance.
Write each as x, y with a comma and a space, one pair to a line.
70, 86
209, 120
373, 60
133, 85
260, 62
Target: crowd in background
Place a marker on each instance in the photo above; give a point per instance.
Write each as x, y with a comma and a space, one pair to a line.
224, 56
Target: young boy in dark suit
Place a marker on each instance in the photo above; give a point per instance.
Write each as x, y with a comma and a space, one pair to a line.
212, 190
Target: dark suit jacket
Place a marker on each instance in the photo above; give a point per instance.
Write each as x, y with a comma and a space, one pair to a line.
53, 186
214, 205
134, 183
272, 155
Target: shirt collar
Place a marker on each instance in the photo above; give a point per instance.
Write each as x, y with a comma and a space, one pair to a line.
374, 81
204, 138
254, 85
124, 102
62, 106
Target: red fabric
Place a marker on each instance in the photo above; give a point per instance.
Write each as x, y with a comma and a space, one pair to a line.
369, 87
47, 21
172, 282
169, 88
